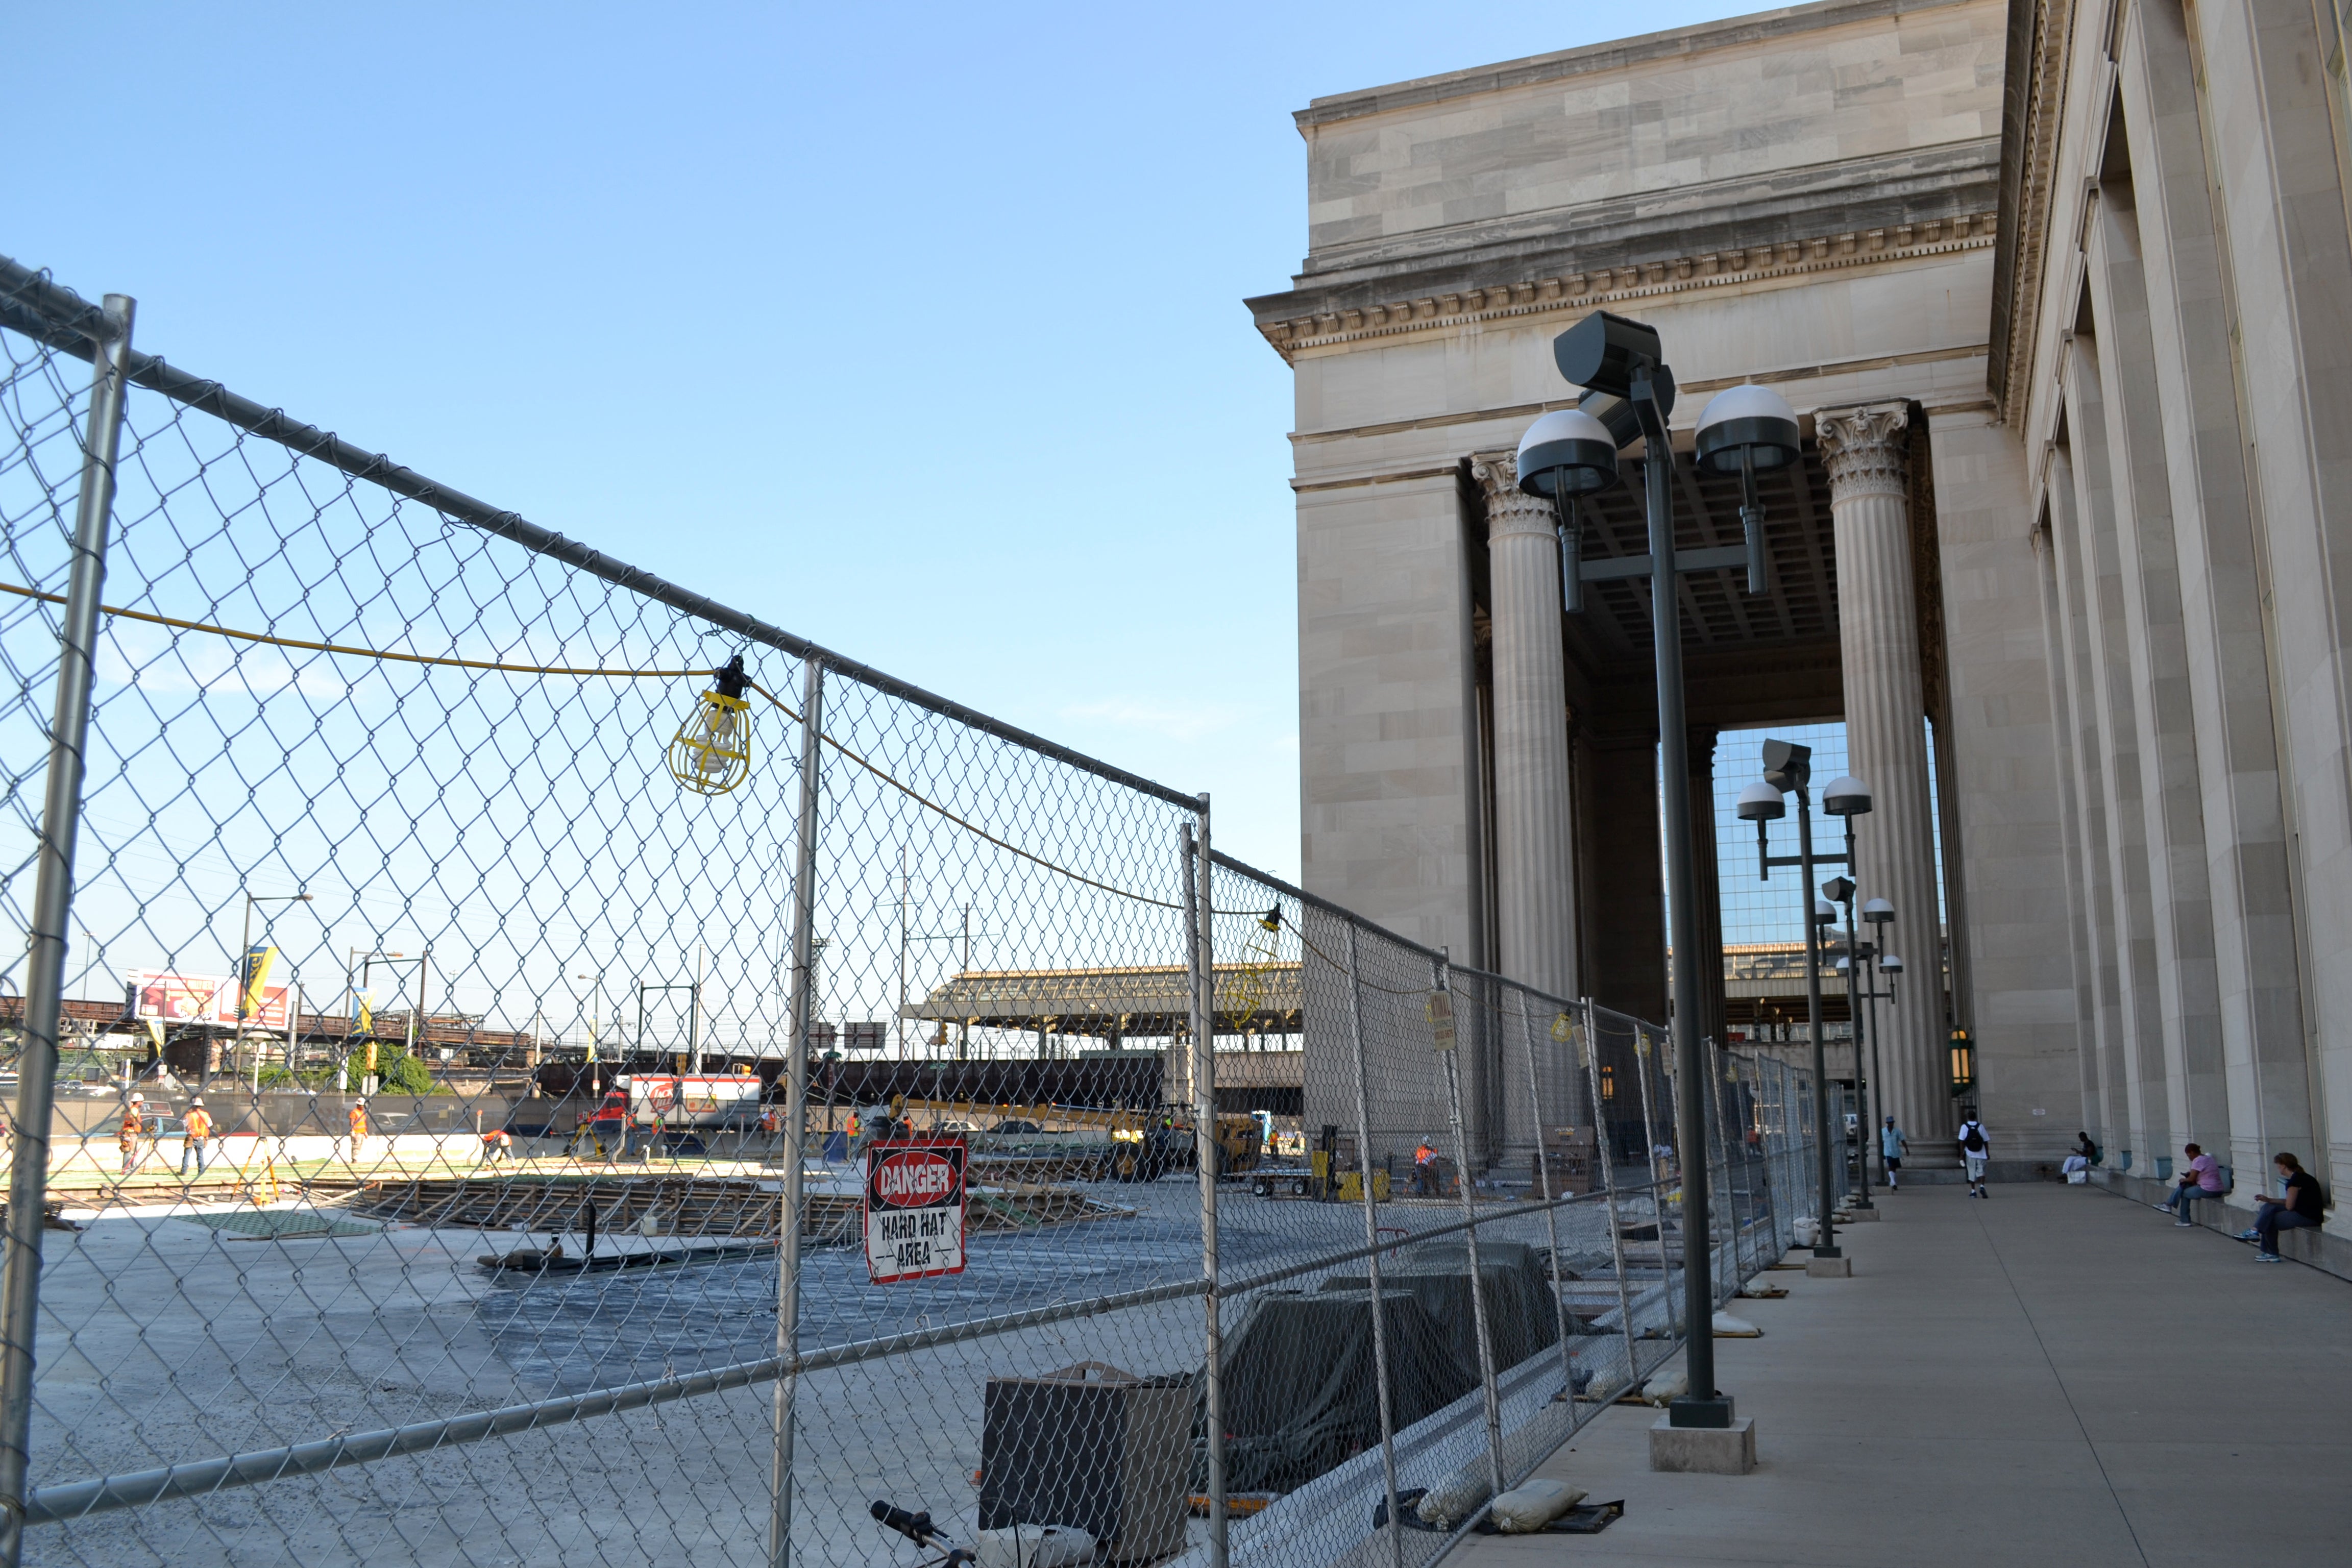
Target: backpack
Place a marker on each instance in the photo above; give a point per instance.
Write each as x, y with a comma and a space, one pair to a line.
1974, 1140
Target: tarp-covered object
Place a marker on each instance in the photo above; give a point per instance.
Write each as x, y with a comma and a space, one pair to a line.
1302, 1394
1521, 1310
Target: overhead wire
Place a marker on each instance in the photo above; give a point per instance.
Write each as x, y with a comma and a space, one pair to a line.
271, 639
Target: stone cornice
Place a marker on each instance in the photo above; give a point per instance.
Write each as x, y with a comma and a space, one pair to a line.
1679, 43
2041, 39
1579, 291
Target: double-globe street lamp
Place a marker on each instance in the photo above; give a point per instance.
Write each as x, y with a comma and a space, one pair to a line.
1788, 770
1570, 453
1878, 914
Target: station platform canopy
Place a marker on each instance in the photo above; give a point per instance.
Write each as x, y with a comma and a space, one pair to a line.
1133, 1002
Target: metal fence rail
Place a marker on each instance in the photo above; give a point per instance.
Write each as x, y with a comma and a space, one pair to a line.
518, 1063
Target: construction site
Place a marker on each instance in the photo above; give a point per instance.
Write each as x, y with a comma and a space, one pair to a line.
774, 1114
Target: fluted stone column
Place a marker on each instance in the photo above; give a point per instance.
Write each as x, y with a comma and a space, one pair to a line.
1534, 884
1886, 747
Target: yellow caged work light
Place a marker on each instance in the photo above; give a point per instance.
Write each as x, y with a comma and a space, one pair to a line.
711, 752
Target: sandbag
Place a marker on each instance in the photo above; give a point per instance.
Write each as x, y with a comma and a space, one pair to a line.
1728, 1327
1531, 1506
1666, 1387
1454, 1498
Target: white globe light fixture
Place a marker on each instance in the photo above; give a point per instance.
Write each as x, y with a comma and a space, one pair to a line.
1565, 455
1847, 796
1748, 430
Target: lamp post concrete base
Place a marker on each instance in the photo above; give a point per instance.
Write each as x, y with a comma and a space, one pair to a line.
1829, 1267
1703, 1450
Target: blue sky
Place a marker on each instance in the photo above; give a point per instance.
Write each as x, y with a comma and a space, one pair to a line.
917, 331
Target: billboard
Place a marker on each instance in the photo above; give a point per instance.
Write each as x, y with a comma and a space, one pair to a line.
175, 999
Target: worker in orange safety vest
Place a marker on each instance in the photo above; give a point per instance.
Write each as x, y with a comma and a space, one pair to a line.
199, 1125
130, 1140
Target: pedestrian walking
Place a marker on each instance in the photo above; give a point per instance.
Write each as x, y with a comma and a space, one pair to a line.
1891, 1147
359, 1129
1975, 1149
131, 1137
199, 1125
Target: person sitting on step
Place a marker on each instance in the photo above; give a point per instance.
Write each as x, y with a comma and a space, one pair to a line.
2201, 1178
2303, 1206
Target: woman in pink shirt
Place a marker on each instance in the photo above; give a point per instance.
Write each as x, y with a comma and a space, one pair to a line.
2202, 1179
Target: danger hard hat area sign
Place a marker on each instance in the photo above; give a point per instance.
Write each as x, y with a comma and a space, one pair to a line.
914, 1209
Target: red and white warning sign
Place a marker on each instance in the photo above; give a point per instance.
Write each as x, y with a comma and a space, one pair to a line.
914, 1209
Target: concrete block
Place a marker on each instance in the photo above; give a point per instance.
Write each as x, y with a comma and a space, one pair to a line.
1829, 1267
1703, 1450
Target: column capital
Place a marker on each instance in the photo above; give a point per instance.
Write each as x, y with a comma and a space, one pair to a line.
1863, 449
1509, 510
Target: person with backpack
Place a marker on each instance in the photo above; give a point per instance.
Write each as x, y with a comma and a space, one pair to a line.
1974, 1150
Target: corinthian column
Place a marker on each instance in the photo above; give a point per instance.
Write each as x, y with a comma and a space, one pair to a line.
1535, 886
1886, 748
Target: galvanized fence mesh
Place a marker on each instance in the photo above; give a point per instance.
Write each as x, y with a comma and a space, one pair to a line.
549, 1068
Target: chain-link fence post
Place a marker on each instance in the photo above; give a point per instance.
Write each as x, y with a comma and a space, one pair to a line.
796, 1067
45, 974
1552, 1199
1470, 1216
1373, 1254
1200, 960
1657, 1177
1725, 1289
1606, 1158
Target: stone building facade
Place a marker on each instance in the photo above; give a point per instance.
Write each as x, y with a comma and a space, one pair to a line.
2058, 291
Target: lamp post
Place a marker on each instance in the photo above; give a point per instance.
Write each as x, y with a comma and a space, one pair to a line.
392, 961
1789, 769
1846, 799
1571, 453
244, 978
1878, 913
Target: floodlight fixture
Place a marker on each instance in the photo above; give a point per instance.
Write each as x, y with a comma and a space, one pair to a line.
1786, 764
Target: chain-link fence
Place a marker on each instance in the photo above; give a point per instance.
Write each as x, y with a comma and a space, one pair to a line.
522, 1063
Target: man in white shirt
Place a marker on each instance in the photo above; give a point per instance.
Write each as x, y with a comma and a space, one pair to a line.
1975, 1149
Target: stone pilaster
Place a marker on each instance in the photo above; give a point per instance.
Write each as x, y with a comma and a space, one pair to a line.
1886, 746
1535, 882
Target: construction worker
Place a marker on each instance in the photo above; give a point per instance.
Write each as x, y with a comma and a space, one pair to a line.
199, 1124
1424, 1169
359, 1129
129, 1137
497, 1143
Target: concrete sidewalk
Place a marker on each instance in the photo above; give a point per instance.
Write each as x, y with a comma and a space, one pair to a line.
2055, 1376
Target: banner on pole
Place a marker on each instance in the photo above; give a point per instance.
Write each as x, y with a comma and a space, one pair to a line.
914, 1209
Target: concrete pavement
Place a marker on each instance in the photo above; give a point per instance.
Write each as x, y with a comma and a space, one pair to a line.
2051, 1376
